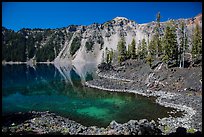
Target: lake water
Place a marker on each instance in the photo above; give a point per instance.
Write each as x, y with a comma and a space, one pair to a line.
60, 90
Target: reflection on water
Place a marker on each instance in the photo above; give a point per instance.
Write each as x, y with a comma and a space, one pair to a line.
59, 89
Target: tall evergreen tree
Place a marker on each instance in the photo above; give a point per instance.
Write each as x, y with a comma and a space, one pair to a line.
157, 36
152, 47
197, 42
183, 45
170, 43
107, 55
121, 50
133, 48
138, 50
129, 51
143, 49
111, 55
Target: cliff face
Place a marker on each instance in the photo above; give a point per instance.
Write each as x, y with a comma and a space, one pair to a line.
79, 43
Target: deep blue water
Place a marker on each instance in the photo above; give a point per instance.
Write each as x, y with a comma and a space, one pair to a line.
60, 90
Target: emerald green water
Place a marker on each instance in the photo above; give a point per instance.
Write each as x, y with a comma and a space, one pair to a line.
60, 90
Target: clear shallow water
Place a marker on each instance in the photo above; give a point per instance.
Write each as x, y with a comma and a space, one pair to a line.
60, 90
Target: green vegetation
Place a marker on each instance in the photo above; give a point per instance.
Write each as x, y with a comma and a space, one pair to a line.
157, 36
121, 50
152, 47
191, 130
76, 43
40, 44
143, 52
46, 53
89, 45
183, 45
170, 46
109, 55
197, 42
129, 52
164, 47
167, 129
101, 42
13, 46
133, 49
149, 59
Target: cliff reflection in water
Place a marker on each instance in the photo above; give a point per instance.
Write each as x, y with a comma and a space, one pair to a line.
44, 78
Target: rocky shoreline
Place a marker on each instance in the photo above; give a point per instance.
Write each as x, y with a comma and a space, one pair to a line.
47, 123
190, 104
162, 99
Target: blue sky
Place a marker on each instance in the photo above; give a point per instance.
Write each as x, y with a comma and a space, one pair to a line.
18, 15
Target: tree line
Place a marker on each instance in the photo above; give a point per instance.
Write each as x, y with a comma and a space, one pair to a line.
26, 44
165, 48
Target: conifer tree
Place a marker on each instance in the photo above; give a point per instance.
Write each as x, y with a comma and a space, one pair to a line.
121, 50
183, 45
103, 60
129, 51
197, 42
111, 55
107, 55
149, 59
143, 49
152, 47
133, 48
170, 43
157, 36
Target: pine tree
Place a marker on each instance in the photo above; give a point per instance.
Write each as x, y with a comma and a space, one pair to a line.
152, 47
183, 45
167, 46
121, 50
103, 60
139, 49
157, 36
186, 47
107, 55
143, 49
149, 59
197, 42
133, 48
170, 43
111, 55
129, 51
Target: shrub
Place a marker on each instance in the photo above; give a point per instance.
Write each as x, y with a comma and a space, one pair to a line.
149, 60
89, 45
191, 130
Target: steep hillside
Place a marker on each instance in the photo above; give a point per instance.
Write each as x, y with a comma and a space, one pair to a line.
80, 43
